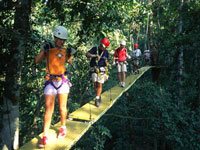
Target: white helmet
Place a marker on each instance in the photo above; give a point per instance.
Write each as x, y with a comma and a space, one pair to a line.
123, 43
60, 32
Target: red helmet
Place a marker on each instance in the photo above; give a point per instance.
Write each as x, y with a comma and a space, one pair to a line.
105, 42
136, 45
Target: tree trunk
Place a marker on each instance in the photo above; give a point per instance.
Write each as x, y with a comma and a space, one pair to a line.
146, 44
180, 54
152, 45
10, 130
155, 144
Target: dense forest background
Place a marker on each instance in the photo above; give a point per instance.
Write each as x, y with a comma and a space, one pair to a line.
154, 114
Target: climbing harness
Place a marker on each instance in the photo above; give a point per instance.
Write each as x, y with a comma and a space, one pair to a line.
50, 78
97, 69
56, 59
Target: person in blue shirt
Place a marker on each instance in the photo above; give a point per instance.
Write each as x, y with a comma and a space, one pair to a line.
98, 67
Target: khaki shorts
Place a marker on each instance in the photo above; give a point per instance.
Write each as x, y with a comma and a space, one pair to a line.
121, 67
100, 77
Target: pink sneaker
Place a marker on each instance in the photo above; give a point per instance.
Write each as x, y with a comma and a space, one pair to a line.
62, 132
43, 142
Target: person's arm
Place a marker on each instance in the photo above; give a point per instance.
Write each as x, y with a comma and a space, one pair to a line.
115, 55
107, 59
127, 55
89, 55
39, 57
70, 54
70, 59
92, 53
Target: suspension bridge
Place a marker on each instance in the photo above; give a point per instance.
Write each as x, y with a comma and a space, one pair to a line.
83, 118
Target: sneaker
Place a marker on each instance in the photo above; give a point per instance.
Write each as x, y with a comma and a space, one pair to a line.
43, 142
97, 102
62, 132
123, 84
137, 72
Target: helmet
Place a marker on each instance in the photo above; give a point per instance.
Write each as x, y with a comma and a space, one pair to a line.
136, 45
60, 32
123, 43
105, 42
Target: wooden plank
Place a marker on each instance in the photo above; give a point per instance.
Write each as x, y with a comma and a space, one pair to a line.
75, 130
89, 112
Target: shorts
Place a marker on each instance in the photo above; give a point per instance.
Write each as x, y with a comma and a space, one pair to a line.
121, 67
136, 62
50, 90
100, 77
147, 60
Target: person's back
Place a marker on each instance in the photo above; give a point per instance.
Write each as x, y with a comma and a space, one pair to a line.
136, 55
146, 57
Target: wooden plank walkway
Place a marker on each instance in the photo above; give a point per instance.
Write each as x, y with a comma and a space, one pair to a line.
80, 120
89, 112
75, 130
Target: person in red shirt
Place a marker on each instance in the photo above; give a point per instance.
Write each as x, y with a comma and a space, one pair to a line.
120, 57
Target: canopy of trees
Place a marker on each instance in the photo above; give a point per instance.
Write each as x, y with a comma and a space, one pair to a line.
154, 114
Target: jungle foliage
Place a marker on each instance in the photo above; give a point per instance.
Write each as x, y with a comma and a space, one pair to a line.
161, 114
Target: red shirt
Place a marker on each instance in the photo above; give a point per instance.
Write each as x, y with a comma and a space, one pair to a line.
121, 54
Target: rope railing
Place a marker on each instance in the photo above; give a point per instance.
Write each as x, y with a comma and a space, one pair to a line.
81, 119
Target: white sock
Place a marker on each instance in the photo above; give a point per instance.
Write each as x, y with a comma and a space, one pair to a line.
97, 97
64, 127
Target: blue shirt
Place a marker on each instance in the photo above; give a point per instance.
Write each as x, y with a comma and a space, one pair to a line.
104, 57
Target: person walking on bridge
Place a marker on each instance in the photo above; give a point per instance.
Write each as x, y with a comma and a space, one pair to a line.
99, 67
56, 82
136, 56
120, 57
146, 57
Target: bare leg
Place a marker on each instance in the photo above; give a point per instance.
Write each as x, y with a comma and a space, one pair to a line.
95, 86
99, 89
98, 94
123, 76
62, 101
49, 108
120, 76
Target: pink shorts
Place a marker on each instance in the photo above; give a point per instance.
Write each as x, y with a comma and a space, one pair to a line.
51, 90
